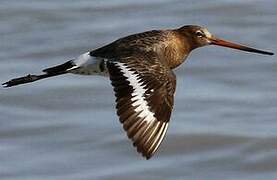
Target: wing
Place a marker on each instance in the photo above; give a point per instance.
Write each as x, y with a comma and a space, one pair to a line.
144, 88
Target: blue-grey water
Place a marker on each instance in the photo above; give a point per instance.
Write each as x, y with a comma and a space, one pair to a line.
224, 123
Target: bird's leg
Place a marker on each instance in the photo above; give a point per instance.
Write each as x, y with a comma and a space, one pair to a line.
27, 79
85, 64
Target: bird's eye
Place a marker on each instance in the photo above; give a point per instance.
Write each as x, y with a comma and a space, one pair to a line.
199, 34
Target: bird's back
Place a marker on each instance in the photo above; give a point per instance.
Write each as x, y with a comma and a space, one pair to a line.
164, 43
146, 41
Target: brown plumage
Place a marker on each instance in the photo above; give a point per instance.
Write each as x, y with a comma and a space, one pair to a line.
140, 69
159, 82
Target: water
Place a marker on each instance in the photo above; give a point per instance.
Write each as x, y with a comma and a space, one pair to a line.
224, 122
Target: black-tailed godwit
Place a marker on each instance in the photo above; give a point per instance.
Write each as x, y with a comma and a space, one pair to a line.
140, 67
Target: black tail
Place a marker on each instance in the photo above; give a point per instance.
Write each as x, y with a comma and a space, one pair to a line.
60, 68
54, 71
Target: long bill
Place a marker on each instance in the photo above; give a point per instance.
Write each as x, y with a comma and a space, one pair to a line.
221, 42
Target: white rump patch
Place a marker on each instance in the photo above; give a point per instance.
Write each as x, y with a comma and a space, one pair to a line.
83, 59
138, 98
86, 64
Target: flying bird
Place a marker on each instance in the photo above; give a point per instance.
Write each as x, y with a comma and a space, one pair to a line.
140, 67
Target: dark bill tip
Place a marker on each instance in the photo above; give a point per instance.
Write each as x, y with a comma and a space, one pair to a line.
221, 42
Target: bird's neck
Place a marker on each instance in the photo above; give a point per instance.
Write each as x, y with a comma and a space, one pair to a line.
177, 49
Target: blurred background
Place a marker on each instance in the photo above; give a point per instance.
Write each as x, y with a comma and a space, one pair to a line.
224, 122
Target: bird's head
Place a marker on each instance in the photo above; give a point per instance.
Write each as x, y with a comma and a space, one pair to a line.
198, 36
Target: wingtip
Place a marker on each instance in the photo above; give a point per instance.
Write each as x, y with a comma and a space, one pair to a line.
148, 157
